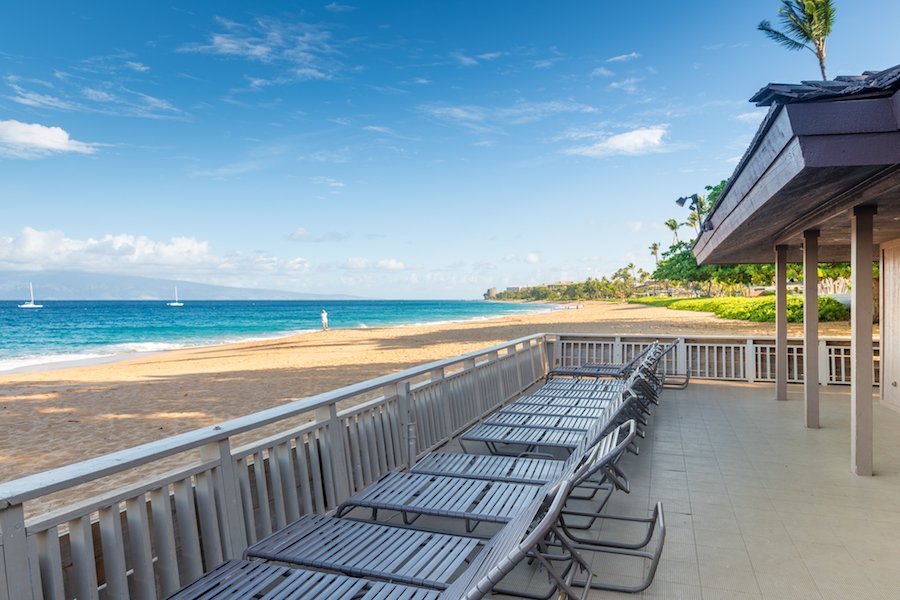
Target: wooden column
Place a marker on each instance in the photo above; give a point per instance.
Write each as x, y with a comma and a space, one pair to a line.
861, 252
811, 327
781, 362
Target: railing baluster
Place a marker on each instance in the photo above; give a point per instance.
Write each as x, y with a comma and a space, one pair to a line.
113, 545
209, 519
306, 505
249, 515
84, 572
320, 492
164, 540
262, 494
50, 561
186, 516
144, 579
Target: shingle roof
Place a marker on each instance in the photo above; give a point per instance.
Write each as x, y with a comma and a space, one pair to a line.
870, 83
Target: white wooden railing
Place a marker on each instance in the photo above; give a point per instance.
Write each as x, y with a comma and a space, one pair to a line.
716, 357
146, 539
196, 499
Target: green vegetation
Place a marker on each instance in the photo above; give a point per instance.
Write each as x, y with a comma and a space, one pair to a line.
725, 288
761, 309
806, 25
621, 285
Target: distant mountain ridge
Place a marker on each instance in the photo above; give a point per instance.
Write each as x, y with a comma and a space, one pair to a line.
79, 285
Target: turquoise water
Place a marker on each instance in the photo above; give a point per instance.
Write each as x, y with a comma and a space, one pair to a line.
81, 330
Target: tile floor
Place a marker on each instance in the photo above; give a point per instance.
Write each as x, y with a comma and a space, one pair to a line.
756, 505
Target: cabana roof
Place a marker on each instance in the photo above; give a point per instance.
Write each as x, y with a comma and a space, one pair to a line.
823, 148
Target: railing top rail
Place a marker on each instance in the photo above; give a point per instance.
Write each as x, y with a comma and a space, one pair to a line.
47, 482
687, 337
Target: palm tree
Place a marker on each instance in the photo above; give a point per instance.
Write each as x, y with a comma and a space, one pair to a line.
673, 225
694, 221
806, 25
654, 251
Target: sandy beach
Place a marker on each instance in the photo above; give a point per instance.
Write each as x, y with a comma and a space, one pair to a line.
109, 407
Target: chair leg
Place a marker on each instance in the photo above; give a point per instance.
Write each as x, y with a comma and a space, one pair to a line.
651, 556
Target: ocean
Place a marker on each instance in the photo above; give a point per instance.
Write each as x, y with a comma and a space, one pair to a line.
65, 331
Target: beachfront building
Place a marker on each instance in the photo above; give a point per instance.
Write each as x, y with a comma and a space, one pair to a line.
820, 182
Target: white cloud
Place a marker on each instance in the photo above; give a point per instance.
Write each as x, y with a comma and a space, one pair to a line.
301, 234
602, 72
37, 100
488, 119
301, 51
33, 140
750, 117
463, 59
178, 257
53, 249
390, 264
356, 263
328, 181
383, 130
532, 258
636, 226
628, 85
644, 140
467, 60
339, 8
136, 66
231, 169
624, 57
98, 95
82, 93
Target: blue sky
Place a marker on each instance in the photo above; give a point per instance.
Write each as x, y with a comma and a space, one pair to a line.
385, 149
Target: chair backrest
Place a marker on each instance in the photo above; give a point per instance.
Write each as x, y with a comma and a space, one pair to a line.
607, 450
512, 544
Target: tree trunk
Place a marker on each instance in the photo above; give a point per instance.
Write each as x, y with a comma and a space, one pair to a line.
820, 54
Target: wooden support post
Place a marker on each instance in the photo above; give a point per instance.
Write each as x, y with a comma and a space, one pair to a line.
811, 327
781, 359
408, 418
14, 567
861, 252
228, 498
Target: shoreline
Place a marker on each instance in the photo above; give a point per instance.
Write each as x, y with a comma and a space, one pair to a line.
54, 362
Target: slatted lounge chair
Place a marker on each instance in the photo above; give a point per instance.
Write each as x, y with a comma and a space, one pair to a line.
521, 537
541, 421
366, 549
551, 410
599, 370
502, 439
473, 500
245, 579
476, 500
655, 524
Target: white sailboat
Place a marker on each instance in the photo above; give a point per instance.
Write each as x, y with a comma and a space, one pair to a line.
176, 303
30, 303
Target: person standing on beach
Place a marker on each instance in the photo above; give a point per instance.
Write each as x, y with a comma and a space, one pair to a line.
324, 320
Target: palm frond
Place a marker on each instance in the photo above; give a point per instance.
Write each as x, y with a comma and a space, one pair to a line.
780, 37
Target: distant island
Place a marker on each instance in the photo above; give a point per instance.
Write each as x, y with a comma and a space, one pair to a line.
82, 285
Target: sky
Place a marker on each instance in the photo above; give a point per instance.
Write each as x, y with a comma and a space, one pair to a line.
381, 149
